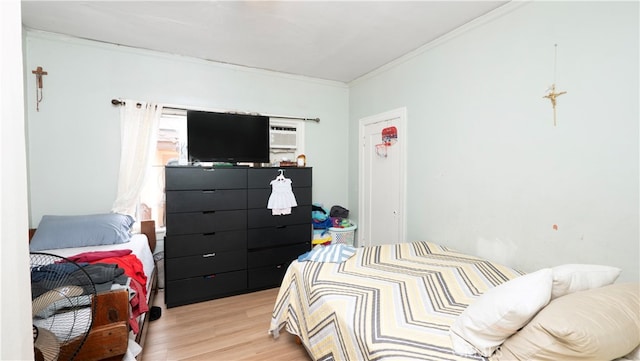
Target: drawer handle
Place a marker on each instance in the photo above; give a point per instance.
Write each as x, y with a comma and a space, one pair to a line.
208, 191
208, 212
209, 169
209, 234
281, 227
213, 254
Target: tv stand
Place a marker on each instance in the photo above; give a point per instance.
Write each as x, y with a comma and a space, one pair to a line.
229, 165
218, 165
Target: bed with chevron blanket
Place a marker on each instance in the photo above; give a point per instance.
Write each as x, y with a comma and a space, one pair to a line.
388, 302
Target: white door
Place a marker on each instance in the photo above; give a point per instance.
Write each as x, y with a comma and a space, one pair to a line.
382, 179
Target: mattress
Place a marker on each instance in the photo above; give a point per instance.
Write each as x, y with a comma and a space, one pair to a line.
389, 302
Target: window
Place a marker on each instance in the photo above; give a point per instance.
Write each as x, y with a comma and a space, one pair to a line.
286, 139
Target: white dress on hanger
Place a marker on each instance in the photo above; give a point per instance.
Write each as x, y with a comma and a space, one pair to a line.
282, 197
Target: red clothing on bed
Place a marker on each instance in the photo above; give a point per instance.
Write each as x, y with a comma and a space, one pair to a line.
131, 265
90, 257
133, 268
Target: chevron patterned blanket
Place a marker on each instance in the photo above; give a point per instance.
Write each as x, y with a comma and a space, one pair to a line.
390, 302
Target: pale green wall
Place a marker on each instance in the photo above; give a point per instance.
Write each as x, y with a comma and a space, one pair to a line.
488, 173
74, 139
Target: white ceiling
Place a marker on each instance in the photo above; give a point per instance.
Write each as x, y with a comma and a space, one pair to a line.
333, 40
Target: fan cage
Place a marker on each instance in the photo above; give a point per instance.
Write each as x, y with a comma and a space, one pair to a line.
63, 306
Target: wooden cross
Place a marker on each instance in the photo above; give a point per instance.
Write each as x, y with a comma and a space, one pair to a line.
552, 95
39, 73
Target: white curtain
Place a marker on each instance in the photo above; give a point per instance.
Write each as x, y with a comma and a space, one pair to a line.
138, 137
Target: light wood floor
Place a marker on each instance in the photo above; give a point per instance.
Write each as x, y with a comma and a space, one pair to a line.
226, 329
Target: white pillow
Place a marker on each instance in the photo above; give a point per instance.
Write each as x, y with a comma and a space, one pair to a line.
571, 278
500, 312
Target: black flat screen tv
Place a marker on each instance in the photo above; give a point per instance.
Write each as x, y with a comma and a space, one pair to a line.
227, 138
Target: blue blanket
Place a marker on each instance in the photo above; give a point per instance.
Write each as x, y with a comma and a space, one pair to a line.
334, 253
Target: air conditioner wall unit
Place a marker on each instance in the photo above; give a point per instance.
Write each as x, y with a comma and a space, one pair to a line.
282, 137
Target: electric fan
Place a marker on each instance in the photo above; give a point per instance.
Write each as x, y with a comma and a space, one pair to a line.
63, 306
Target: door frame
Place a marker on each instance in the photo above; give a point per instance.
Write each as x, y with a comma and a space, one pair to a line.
401, 115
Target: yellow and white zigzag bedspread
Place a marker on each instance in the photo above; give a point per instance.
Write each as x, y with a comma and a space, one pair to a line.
390, 302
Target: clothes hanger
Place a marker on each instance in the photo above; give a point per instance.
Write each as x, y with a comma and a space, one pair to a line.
280, 177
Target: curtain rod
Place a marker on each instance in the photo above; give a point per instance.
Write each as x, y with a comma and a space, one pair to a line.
317, 120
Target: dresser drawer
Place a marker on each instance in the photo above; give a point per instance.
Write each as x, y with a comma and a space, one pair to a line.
206, 222
206, 200
259, 197
277, 255
191, 290
203, 265
198, 244
262, 217
199, 178
278, 236
262, 177
267, 277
